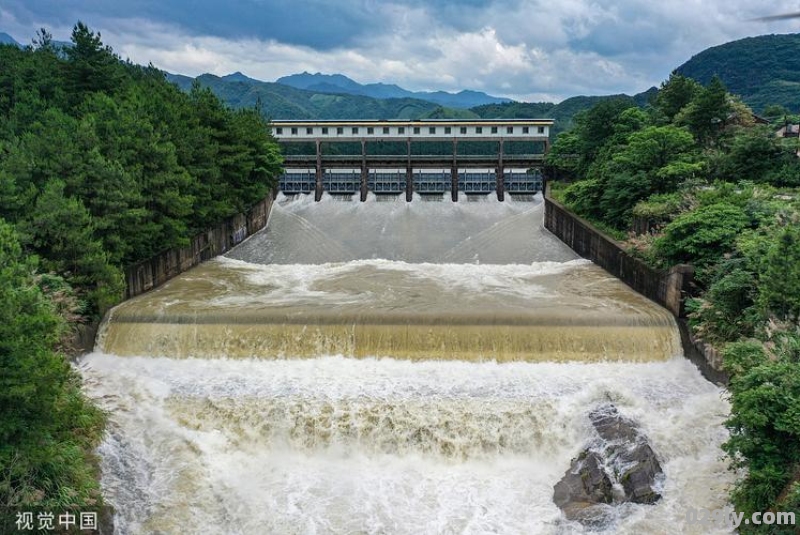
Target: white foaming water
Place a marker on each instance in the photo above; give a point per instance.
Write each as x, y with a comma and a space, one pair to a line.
302, 231
450, 441
338, 445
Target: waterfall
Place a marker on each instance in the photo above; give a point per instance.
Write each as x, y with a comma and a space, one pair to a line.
389, 368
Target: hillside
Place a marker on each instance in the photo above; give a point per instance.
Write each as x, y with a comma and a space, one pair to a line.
283, 102
280, 101
762, 70
6, 39
562, 112
338, 83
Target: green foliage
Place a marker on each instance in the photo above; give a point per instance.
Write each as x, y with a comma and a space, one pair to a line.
280, 101
702, 236
699, 166
47, 428
661, 206
675, 94
780, 280
757, 155
584, 197
763, 70
741, 357
764, 426
707, 113
104, 164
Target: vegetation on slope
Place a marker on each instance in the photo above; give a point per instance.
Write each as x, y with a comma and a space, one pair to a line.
102, 164
277, 101
763, 70
720, 192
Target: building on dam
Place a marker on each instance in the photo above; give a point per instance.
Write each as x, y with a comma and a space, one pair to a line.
430, 157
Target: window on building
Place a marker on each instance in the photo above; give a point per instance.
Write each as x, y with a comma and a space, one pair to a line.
479, 130
541, 129
401, 129
416, 129
494, 130
339, 130
279, 131
446, 129
525, 130
294, 130
324, 130
463, 129
385, 129
432, 130
355, 130
509, 130
309, 131
370, 130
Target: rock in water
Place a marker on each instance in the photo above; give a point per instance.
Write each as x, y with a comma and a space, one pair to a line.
618, 467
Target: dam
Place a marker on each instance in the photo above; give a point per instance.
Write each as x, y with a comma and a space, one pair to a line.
391, 367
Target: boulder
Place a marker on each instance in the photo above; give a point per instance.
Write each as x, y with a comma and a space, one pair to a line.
619, 466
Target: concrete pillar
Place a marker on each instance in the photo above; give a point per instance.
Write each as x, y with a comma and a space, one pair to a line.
454, 173
409, 183
364, 170
318, 188
454, 183
499, 175
409, 174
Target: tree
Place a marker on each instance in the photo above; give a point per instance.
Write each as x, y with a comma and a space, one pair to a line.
61, 228
92, 66
779, 286
47, 428
675, 94
702, 236
707, 113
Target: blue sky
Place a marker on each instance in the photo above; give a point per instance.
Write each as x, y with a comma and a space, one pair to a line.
525, 49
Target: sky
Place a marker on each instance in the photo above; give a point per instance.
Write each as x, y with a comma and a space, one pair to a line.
529, 50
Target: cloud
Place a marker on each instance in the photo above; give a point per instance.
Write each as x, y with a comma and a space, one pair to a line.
526, 49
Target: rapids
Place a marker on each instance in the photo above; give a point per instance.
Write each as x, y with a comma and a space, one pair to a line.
391, 367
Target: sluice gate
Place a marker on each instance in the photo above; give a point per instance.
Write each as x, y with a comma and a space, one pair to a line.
423, 182
430, 157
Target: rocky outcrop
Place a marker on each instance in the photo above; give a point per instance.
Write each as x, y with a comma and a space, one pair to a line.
618, 467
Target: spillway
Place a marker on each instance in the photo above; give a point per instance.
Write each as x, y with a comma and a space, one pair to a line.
391, 367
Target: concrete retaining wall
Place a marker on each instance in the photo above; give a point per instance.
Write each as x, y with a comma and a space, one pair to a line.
155, 271
667, 288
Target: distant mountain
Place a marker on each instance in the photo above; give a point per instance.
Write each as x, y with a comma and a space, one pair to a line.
6, 39
338, 83
280, 101
315, 101
762, 70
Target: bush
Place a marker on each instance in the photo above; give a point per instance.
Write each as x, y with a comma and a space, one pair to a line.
702, 236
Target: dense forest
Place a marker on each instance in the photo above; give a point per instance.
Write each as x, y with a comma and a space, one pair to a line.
763, 70
703, 183
102, 164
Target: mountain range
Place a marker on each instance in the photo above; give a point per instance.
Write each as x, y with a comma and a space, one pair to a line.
762, 70
338, 83
6, 39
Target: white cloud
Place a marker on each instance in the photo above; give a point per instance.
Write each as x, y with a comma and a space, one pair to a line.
525, 49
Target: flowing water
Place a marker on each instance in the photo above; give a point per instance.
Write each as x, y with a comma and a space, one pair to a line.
391, 367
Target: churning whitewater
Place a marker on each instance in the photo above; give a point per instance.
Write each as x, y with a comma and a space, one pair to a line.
385, 368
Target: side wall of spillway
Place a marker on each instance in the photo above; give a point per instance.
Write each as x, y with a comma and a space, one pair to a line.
667, 288
157, 270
